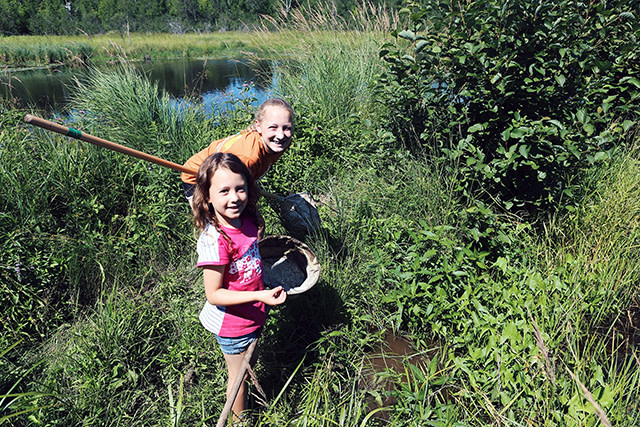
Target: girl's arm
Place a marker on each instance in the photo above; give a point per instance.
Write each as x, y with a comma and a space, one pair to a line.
217, 295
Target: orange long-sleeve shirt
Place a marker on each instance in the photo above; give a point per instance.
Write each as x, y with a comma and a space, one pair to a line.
247, 146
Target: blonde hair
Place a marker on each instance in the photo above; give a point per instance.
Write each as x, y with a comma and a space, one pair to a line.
272, 102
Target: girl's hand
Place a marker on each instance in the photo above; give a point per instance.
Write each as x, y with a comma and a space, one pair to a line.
275, 296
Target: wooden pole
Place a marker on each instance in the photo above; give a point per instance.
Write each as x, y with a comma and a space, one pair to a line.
74, 133
233, 393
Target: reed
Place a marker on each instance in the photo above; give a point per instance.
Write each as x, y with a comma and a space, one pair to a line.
328, 73
26, 51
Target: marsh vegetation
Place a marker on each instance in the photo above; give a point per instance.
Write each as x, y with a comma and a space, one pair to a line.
494, 238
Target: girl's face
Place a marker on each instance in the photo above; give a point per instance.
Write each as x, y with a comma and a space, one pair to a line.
276, 128
228, 193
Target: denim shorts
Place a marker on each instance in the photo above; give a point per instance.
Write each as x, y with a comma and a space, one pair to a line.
236, 345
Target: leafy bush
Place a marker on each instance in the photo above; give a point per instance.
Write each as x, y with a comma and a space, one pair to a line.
521, 96
526, 323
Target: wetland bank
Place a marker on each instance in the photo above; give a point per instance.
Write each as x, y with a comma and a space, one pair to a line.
521, 304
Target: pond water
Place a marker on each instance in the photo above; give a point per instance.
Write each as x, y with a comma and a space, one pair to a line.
213, 81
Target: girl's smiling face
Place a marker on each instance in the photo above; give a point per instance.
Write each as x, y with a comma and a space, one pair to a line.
276, 129
228, 193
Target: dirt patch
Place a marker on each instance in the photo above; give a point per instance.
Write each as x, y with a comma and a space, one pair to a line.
393, 364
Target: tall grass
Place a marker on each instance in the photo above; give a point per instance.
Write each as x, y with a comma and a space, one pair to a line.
115, 365
329, 78
25, 51
562, 354
76, 217
598, 258
126, 107
97, 261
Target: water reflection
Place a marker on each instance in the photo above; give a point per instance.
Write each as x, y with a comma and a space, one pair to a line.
212, 81
43, 88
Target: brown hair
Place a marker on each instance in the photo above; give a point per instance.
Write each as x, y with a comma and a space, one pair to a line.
272, 102
203, 212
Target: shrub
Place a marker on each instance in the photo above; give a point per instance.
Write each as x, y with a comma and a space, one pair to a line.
522, 97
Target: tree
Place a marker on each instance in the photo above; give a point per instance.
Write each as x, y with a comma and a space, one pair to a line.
85, 16
51, 17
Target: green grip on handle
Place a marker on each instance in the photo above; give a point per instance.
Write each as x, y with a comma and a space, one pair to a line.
74, 133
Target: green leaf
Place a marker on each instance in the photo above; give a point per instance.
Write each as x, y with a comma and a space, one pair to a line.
518, 132
433, 366
501, 263
556, 123
477, 127
627, 125
510, 332
607, 396
421, 45
407, 34
560, 79
631, 80
588, 128
600, 155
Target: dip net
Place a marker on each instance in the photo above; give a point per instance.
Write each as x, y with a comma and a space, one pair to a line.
289, 263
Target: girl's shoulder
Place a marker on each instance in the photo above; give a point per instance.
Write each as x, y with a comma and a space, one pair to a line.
212, 248
209, 233
210, 237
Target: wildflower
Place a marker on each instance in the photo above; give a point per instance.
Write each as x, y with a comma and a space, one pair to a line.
18, 271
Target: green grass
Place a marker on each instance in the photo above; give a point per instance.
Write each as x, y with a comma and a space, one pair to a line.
18, 52
24, 51
330, 70
100, 295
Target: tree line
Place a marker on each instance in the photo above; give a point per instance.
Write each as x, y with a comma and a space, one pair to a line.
55, 17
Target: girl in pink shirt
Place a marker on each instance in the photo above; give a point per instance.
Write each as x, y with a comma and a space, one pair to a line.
225, 210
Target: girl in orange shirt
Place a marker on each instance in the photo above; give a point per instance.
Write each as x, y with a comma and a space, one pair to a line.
259, 146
